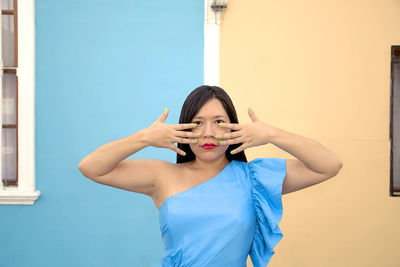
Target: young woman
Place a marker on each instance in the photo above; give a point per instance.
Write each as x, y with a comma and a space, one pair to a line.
215, 208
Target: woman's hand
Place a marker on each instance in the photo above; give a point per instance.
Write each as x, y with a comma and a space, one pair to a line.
163, 135
255, 133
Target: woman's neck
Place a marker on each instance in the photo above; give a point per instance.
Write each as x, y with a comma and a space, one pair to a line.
217, 164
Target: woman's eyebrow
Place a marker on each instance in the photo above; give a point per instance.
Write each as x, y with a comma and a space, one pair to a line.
218, 116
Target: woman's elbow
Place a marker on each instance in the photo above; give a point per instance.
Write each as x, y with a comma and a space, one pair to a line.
336, 169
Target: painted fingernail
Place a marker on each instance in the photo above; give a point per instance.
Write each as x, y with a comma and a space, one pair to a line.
194, 124
184, 153
220, 142
217, 136
165, 109
232, 152
251, 109
195, 140
198, 134
220, 124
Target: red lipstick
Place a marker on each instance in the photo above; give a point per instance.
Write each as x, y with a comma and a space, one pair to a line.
208, 146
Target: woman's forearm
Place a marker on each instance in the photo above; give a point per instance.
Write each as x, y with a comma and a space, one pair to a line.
105, 158
314, 155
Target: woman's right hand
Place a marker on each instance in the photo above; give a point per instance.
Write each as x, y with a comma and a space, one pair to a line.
163, 135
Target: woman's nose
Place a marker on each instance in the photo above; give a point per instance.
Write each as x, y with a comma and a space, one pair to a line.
209, 130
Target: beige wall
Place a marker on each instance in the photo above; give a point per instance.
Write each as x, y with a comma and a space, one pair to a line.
321, 69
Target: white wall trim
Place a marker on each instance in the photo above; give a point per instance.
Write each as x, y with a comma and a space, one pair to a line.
211, 46
25, 193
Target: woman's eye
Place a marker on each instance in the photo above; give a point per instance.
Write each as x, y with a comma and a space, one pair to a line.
197, 122
219, 121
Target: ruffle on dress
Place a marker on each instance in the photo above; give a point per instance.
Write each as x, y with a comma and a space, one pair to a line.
266, 175
174, 260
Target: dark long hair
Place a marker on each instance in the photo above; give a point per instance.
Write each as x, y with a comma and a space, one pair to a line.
196, 99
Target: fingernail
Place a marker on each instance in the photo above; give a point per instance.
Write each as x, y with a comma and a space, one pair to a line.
251, 109
220, 124
194, 124
231, 151
165, 109
195, 140
220, 142
184, 153
198, 134
217, 136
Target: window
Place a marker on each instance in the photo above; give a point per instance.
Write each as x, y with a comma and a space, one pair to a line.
395, 123
9, 33
17, 89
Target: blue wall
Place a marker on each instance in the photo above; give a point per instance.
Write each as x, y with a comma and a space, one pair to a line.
104, 69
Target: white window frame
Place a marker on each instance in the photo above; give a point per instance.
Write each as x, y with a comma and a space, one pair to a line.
25, 193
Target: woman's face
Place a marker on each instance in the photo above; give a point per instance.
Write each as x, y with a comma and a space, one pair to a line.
207, 119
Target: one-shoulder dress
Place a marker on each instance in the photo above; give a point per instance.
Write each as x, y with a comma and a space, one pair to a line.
224, 219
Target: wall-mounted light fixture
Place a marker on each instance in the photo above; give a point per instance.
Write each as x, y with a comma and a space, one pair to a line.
218, 7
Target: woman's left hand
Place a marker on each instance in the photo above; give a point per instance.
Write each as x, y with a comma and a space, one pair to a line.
255, 133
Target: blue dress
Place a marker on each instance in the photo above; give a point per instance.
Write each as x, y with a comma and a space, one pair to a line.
224, 219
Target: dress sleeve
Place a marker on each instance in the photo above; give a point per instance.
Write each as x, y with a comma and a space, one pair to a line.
266, 176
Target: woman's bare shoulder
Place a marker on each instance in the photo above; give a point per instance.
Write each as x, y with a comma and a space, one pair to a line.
167, 164
169, 180
167, 167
